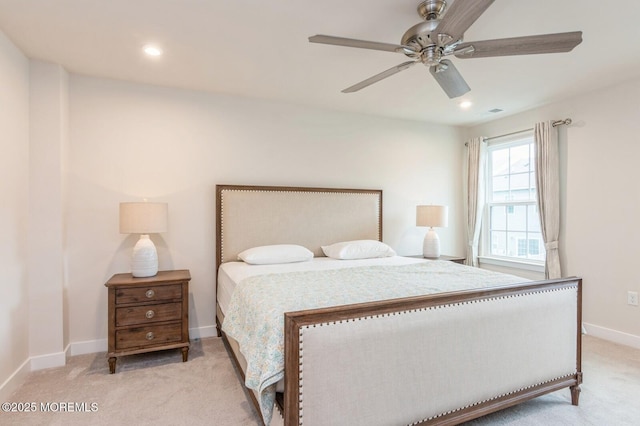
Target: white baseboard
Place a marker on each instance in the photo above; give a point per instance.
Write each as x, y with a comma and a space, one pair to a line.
87, 347
41, 362
77, 348
14, 381
613, 335
33, 363
203, 332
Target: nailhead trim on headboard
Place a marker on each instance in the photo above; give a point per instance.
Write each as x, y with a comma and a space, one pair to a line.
223, 192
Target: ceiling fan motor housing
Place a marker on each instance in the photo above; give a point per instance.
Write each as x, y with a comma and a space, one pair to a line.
431, 9
421, 37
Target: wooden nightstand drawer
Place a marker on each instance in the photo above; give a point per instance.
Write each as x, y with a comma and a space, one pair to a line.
148, 314
148, 294
139, 337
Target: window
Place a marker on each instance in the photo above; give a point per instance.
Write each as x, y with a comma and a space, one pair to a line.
511, 225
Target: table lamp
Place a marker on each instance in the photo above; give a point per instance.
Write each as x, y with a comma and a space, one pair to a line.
433, 217
143, 218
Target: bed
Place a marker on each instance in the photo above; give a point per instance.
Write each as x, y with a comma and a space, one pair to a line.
440, 356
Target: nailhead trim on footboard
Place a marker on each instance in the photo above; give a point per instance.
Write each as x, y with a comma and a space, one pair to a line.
302, 328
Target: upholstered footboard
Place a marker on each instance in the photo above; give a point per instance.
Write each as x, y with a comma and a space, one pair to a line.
440, 359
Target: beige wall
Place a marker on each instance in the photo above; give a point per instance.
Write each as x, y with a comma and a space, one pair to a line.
130, 141
74, 147
48, 120
14, 185
601, 207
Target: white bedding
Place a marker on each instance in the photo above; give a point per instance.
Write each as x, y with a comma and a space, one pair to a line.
254, 315
231, 273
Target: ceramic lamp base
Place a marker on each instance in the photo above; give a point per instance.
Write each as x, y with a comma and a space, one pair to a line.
431, 245
144, 262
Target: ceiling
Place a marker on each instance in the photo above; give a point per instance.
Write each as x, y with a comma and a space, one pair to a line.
259, 49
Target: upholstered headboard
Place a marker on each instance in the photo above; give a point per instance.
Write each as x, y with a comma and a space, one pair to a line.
251, 216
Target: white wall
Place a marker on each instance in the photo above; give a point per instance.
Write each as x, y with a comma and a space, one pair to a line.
600, 176
14, 185
48, 119
129, 142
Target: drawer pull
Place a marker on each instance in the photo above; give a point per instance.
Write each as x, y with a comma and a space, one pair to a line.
150, 314
150, 294
150, 335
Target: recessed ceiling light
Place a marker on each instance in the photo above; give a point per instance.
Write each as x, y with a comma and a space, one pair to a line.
465, 104
152, 50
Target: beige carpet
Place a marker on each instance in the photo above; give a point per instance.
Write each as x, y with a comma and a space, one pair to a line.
159, 389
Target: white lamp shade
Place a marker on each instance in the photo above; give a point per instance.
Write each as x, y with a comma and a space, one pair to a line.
143, 218
432, 216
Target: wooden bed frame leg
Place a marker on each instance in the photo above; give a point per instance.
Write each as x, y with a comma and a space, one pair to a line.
575, 394
218, 328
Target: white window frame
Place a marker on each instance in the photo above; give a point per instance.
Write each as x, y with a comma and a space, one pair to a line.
485, 255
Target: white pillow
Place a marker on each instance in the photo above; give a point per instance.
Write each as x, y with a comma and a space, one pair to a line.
359, 249
279, 253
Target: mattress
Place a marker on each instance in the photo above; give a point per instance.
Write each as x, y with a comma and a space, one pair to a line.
231, 273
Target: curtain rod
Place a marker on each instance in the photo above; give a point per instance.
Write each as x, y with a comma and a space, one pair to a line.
556, 123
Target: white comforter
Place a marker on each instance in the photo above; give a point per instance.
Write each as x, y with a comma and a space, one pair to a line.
255, 315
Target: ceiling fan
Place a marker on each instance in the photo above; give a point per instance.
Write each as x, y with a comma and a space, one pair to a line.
441, 34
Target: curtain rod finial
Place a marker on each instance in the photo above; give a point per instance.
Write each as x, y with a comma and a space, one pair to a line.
566, 121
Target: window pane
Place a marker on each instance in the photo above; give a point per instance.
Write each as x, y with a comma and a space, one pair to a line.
520, 181
522, 247
519, 159
532, 155
533, 184
500, 162
517, 221
520, 187
521, 195
513, 243
498, 243
498, 218
536, 246
500, 190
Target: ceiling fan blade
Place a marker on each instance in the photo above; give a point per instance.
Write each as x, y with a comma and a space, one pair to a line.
449, 78
460, 16
528, 45
378, 77
362, 44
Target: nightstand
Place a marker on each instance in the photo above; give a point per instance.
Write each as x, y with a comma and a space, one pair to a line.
455, 259
148, 314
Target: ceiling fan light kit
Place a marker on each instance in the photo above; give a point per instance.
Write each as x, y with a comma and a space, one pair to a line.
441, 34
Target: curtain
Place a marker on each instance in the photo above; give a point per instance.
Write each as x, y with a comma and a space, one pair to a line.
548, 193
474, 195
